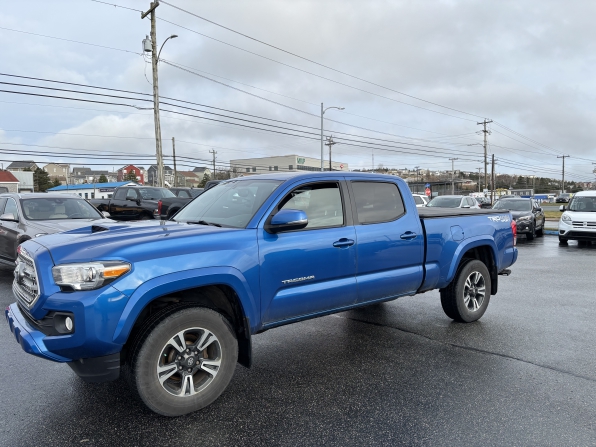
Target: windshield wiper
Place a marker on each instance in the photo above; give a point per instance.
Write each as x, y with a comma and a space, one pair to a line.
203, 222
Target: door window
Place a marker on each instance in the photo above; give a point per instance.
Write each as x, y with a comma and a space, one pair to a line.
418, 200
470, 201
11, 207
131, 194
377, 202
120, 194
184, 194
321, 202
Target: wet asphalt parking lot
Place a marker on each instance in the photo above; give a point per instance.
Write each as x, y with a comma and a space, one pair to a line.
398, 373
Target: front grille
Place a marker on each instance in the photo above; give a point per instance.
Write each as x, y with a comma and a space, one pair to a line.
581, 235
579, 224
25, 285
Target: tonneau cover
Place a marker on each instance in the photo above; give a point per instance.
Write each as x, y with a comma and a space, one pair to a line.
430, 212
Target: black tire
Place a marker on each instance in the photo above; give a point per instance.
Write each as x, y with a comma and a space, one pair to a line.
144, 217
563, 240
453, 297
540, 232
150, 347
532, 234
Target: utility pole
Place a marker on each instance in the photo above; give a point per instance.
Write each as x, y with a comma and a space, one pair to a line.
486, 133
452, 175
174, 155
417, 169
212, 151
492, 176
373, 159
323, 110
158, 151
563, 176
479, 169
330, 143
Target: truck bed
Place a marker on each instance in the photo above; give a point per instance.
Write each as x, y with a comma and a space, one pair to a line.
435, 212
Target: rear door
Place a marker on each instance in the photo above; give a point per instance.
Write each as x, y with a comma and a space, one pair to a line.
390, 248
312, 270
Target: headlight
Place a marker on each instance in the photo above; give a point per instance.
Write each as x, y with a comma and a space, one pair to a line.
89, 276
523, 218
566, 218
40, 234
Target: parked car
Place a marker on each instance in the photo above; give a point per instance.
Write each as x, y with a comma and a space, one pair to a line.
484, 202
174, 304
31, 215
527, 213
420, 200
563, 198
134, 202
453, 202
578, 221
187, 192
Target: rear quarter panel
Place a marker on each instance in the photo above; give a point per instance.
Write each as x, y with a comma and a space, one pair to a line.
449, 238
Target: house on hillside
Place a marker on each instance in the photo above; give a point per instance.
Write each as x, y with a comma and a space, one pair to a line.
168, 174
125, 171
58, 171
82, 174
28, 165
201, 172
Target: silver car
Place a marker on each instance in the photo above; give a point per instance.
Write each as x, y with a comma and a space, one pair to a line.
27, 216
454, 202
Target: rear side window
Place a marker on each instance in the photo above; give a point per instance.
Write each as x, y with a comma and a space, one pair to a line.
11, 207
377, 202
183, 193
418, 200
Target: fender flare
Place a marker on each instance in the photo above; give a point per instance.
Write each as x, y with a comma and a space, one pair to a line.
468, 244
178, 281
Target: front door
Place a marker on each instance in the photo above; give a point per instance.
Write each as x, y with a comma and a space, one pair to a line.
390, 247
9, 231
312, 270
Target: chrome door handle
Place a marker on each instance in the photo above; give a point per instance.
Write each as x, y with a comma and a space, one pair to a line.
343, 242
408, 235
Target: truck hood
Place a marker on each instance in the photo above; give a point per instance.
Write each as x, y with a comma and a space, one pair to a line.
133, 242
582, 216
57, 226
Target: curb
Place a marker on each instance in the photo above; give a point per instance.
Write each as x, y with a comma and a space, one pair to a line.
551, 232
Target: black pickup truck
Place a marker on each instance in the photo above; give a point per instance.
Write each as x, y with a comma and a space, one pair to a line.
135, 202
167, 207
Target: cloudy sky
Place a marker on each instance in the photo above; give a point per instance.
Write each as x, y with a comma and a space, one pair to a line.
414, 78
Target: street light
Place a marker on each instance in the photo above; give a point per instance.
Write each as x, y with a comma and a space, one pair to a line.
322, 142
173, 36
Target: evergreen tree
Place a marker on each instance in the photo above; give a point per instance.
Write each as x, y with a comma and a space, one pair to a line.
206, 178
102, 179
131, 177
56, 182
41, 180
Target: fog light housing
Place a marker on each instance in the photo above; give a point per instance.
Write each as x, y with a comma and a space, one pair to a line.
64, 323
68, 324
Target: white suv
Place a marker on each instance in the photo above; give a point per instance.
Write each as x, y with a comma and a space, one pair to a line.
420, 200
578, 221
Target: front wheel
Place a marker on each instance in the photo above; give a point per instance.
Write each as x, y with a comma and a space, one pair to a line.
466, 298
184, 362
532, 234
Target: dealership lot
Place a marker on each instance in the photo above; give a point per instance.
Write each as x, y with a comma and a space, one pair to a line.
398, 373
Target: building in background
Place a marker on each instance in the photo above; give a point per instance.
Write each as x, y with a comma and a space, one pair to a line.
25, 179
125, 171
82, 174
22, 166
58, 171
8, 181
92, 190
202, 172
292, 163
168, 175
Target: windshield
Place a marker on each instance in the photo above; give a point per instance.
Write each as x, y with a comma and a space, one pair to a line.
58, 208
445, 202
583, 204
231, 204
155, 193
513, 205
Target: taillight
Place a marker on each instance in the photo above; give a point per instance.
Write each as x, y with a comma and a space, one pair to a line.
514, 229
159, 207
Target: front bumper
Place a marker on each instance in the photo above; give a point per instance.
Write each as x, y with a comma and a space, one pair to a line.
570, 231
30, 339
524, 226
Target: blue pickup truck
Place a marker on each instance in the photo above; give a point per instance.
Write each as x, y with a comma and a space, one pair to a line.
172, 305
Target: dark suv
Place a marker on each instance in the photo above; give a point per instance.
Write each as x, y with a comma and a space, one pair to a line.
527, 214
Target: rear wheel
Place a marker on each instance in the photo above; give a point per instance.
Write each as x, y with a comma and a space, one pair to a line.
183, 362
466, 298
541, 231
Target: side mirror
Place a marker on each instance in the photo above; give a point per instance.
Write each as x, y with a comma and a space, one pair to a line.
105, 214
562, 208
287, 220
8, 216
539, 209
